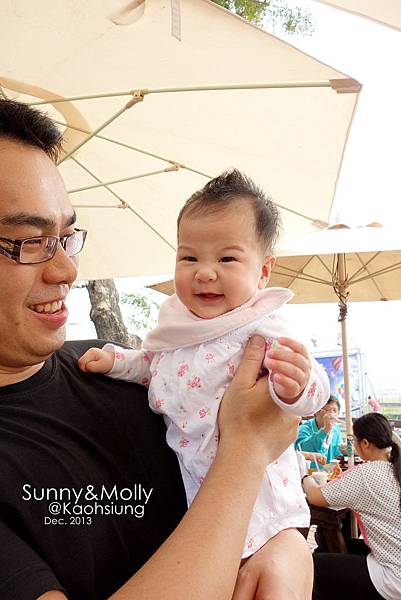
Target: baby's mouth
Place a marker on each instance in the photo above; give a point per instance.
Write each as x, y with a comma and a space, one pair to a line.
209, 296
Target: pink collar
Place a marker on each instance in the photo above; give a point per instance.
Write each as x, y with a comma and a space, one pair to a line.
179, 328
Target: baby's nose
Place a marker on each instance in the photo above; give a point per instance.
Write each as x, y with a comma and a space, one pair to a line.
206, 273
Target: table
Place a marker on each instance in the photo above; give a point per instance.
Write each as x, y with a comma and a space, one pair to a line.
330, 521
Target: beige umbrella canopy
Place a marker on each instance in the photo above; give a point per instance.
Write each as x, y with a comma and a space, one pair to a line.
151, 116
386, 12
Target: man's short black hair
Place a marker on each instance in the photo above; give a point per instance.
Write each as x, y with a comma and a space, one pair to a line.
220, 194
26, 125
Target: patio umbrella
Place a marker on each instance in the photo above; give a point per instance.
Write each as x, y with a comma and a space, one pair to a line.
340, 263
156, 101
386, 12
337, 264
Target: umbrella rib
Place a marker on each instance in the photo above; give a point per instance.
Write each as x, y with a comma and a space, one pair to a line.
364, 265
198, 88
91, 135
303, 277
114, 181
383, 271
295, 273
2, 93
370, 276
124, 203
324, 265
141, 151
173, 162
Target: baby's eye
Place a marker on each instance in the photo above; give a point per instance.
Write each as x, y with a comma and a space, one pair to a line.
227, 259
189, 258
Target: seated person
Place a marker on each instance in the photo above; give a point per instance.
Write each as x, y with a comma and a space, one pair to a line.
372, 567
322, 434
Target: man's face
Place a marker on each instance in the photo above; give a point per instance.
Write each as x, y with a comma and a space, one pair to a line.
331, 409
33, 202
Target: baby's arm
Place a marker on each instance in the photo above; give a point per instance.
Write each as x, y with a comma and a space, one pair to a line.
118, 363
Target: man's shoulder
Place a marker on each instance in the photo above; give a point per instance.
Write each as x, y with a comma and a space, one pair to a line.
75, 348
67, 360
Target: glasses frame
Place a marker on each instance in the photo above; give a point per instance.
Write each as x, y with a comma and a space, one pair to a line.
15, 251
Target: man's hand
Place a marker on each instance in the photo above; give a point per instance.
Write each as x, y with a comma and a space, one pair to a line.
328, 421
248, 415
96, 360
290, 367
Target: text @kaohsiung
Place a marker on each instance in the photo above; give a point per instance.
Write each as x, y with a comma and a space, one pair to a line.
78, 506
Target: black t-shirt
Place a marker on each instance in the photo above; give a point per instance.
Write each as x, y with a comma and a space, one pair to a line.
79, 456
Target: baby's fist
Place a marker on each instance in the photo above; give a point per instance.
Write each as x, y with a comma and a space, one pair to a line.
96, 360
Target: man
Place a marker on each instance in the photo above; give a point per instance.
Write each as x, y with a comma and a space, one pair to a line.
322, 434
89, 489
59, 430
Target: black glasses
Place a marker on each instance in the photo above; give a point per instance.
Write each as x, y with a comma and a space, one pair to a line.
33, 250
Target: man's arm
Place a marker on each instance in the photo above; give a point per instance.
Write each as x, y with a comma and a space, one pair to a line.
309, 440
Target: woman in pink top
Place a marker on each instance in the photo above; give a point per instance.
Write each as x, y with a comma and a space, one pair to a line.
372, 570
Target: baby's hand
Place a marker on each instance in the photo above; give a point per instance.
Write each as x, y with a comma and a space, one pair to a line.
290, 367
96, 360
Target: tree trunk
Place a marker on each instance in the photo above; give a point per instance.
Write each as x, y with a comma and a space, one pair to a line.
106, 314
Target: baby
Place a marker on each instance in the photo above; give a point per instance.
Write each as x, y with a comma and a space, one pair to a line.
226, 235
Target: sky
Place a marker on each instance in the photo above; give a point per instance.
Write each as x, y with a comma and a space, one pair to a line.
369, 187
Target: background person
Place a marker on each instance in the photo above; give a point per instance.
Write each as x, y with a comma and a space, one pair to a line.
61, 429
322, 434
372, 490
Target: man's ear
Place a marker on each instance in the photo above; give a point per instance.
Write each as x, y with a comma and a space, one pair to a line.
268, 264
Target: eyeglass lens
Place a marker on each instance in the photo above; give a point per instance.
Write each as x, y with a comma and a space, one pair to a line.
40, 249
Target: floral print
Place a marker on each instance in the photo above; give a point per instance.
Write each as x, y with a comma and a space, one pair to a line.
183, 368
194, 383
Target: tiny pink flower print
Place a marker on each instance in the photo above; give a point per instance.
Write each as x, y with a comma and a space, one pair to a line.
216, 438
145, 381
183, 442
204, 412
155, 373
231, 368
209, 357
201, 479
182, 369
250, 543
311, 391
146, 358
120, 355
194, 383
159, 403
160, 358
285, 481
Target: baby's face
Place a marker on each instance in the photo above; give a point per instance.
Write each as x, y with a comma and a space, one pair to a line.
220, 264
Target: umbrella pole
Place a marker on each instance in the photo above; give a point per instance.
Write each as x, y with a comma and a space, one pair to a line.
342, 288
